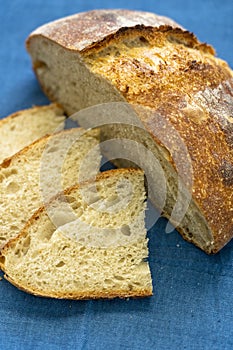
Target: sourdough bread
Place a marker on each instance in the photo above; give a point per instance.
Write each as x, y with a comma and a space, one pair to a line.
23, 127
40, 171
180, 87
100, 254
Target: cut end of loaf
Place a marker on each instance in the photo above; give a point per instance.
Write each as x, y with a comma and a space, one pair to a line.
102, 253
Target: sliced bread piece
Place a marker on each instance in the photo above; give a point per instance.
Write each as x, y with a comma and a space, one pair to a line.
23, 127
40, 171
101, 254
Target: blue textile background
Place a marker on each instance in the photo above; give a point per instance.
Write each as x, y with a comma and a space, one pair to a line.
192, 306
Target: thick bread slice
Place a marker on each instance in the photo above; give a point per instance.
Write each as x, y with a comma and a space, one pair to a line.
181, 89
40, 171
101, 254
23, 127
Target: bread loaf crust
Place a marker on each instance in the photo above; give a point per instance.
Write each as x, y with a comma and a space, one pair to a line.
81, 30
192, 90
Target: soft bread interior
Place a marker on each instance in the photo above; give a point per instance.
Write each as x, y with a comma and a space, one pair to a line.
40, 171
101, 253
22, 128
165, 189
75, 88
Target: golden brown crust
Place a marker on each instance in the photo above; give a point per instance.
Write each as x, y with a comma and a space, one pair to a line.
185, 65
83, 295
79, 31
153, 35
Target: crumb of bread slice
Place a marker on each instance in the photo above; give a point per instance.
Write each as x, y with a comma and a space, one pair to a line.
100, 254
40, 171
20, 129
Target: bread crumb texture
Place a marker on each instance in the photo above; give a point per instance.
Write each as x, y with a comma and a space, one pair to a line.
100, 254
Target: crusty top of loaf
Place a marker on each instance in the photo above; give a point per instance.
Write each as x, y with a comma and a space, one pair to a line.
79, 31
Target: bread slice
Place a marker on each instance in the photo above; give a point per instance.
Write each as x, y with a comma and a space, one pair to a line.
40, 171
23, 127
181, 94
100, 254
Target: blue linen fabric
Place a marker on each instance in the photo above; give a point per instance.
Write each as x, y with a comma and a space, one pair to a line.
192, 306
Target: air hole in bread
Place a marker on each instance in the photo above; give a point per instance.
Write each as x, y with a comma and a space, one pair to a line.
71, 199
24, 251
190, 235
27, 242
46, 234
14, 171
52, 149
18, 253
60, 264
40, 65
108, 281
130, 286
93, 200
121, 186
35, 254
137, 42
125, 229
12, 187
76, 206
8, 173
119, 278
13, 228
2, 259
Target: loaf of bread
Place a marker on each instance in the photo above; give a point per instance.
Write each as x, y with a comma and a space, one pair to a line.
184, 97
23, 127
40, 171
100, 254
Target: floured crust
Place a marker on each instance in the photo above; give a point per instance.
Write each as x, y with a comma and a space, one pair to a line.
81, 30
